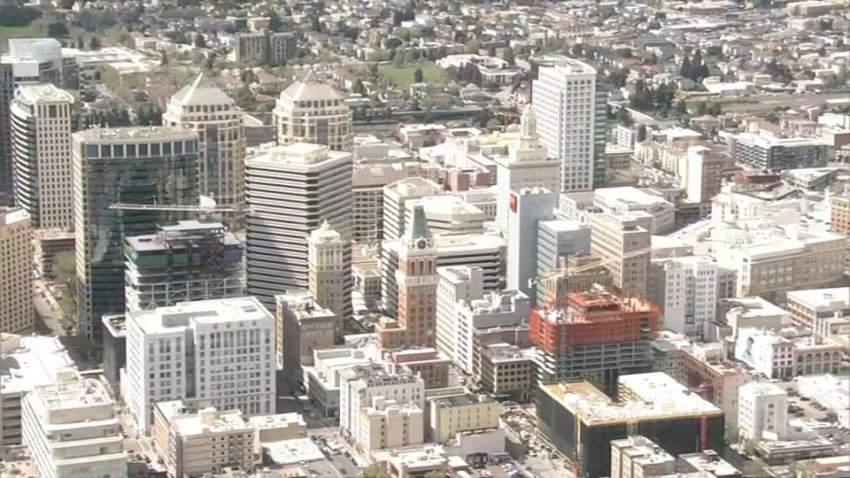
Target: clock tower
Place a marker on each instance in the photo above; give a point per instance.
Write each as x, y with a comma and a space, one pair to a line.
417, 290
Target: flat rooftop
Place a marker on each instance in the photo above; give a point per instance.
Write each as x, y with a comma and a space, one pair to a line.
671, 400
217, 311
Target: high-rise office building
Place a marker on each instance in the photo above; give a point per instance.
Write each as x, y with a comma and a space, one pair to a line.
212, 353
183, 262
527, 165
313, 112
329, 271
417, 290
290, 191
564, 99
42, 118
16, 254
124, 180
30, 60
204, 108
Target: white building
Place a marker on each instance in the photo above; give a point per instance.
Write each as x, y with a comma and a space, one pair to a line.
217, 353
396, 195
290, 191
71, 430
359, 385
686, 290
41, 118
762, 411
508, 308
526, 165
455, 286
204, 108
564, 100
389, 424
313, 112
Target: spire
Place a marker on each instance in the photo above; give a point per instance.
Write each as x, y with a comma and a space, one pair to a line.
529, 122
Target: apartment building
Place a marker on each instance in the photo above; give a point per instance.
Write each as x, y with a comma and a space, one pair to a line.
290, 191
72, 431
218, 353
389, 424
302, 326
17, 313
309, 111
182, 262
622, 241
564, 100
762, 411
463, 413
808, 307
596, 335
42, 117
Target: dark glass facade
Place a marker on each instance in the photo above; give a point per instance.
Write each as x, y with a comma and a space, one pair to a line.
590, 446
147, 172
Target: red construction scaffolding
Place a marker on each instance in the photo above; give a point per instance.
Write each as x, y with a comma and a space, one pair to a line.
593, 318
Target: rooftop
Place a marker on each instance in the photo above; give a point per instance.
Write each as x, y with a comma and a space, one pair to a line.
189, 314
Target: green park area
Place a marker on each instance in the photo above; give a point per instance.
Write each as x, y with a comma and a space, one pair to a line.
403, 76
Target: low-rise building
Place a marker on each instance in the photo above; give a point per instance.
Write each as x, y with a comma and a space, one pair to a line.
71, 430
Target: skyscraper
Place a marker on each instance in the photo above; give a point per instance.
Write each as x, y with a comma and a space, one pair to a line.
16, 251
564, 99
329, 269
290, 190
313, 112
42, 118
526, 165
204, 108
417, 290
124, 181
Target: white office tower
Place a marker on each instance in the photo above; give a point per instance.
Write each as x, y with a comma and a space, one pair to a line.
41, 117
762, 411
564, 99
329, 259
71, 431
526, 165
206, 109
213, 353
313, 112
361, 384
396, 196
16, 257
528, 207
686, 290
290, 191
455, 285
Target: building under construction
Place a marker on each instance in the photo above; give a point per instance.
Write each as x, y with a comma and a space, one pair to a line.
596, 335
580, 421
187, 261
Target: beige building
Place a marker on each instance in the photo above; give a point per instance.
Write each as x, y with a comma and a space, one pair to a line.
16, 262
389, 424
41, 119
313, 112
622, 241
302, 326
204, 442
329, 273
461, 413
205, 109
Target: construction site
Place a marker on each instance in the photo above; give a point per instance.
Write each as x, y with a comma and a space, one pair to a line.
595, 335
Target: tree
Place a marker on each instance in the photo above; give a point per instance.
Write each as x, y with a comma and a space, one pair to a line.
418, 76
57, 30
94, 43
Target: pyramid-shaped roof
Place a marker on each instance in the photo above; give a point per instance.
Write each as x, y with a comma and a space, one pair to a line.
202, 91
